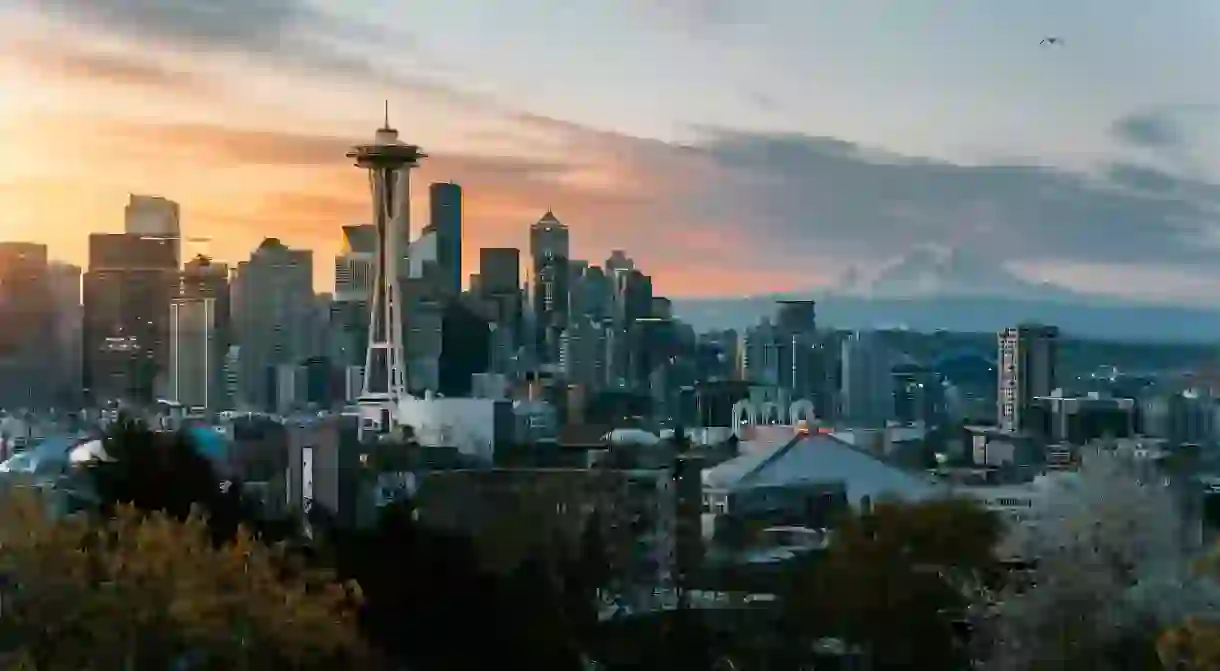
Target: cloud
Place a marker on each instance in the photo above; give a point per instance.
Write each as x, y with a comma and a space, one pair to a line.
1166, 127
1149, 129
818, 193
698, 18
259, 26
289, 36
1180, 139
292, 34
735, 212
82, 64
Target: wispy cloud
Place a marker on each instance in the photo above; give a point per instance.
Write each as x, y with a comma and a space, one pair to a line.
698, 18
270, 27
1148, 130
786, 210
288, 35
1178, 138
80, 64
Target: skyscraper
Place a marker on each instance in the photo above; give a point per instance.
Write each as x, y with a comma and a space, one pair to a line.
126, 296
796, 330
550, 251
26, 324
349, 313
445, 210
273, 310
499, 270
633, 297
618, 261
65, 290
583, 353
1027, 359
24, 293
154, 216
195, 362
500, 292
204, 278
868, 381
354, 264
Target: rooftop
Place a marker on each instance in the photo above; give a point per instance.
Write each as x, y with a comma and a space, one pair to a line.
812, 458
549, 220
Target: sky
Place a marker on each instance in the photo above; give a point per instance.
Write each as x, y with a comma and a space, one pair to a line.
730, 147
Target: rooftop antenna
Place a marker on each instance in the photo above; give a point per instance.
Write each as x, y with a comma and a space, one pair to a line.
387, 115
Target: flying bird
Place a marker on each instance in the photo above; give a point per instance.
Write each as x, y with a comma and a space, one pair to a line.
1051, 41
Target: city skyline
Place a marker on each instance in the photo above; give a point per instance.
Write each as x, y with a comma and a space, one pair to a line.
777, 164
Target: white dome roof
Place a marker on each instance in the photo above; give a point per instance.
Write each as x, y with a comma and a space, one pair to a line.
88, 451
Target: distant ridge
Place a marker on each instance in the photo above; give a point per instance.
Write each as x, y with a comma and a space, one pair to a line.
935, 288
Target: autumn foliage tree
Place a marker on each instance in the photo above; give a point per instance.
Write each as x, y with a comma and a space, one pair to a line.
1193, 644
896, 579
424, 588
151, 592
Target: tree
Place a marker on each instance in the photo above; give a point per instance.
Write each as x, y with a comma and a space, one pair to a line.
1111, 571
585, 576
162, 471
896, 579
1193, 643
425, 590
152, 592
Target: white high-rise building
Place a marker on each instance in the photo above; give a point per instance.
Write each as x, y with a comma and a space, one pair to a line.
193, 368
583, 353
354, 264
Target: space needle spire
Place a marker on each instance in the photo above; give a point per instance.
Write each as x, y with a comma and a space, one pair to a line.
388, 162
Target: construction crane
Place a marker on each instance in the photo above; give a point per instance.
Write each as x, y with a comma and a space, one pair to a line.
195, 240
173, 237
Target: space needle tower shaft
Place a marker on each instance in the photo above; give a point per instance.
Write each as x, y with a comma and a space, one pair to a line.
388, 162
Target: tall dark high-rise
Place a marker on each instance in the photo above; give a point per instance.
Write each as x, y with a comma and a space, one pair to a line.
500, 291
127, 293
445, 212
549, 279
634, 297
499, 270
273, 313
26, 324
796, 334
465, 349
1027, 366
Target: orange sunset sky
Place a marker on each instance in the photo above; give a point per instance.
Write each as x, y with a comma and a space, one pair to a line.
729, 152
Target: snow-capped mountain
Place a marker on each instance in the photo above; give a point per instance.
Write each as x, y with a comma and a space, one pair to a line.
935, 287
933, 271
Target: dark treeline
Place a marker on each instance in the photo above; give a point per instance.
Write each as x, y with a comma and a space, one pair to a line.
895, 586
427, 603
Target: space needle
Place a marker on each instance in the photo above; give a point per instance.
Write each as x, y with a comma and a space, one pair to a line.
389, 162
